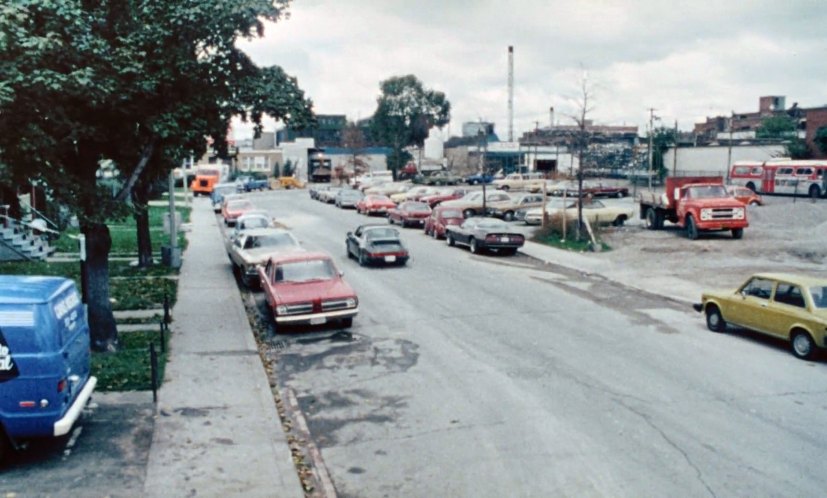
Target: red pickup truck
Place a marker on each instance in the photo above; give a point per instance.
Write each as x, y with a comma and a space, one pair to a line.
696, 203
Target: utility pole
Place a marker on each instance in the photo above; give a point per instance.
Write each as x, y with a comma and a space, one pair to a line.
510, 93
651, 143
729, 149
675, 152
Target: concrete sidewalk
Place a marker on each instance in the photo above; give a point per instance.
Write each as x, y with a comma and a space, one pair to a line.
671, 287
217, 431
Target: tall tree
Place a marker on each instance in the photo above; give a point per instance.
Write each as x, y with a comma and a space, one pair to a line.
84, 81
582, 140
405, 112
353, 139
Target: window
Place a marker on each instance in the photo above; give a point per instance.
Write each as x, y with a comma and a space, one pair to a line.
789, 294
758, 287
804, 171
819, 295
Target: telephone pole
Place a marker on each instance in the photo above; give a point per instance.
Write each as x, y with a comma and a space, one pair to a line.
651, 142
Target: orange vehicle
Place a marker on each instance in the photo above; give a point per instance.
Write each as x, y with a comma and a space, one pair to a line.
205, 180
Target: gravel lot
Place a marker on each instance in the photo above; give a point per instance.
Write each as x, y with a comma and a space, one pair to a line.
785, 235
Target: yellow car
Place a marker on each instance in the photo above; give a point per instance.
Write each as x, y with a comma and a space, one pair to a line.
787, 306
285, 182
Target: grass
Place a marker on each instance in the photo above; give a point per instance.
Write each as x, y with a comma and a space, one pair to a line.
124, 234
552, 235
129, 368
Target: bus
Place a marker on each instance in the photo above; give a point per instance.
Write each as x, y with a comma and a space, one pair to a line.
782, 176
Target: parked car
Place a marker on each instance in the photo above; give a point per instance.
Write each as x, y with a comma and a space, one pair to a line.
328, 196
533, 182
441, 178
441, 217
376, 244
307, 289
786, 306
347, 198
507, 209
374, 204
479, 178
481, 234
250, 220
234, 208
316, 189
250, 184
409, 213
471, 203
599, 189
444, 194
533, 216
44, 359
594, 211
745, 195
410, 194
219, 191
388, 189
252, 249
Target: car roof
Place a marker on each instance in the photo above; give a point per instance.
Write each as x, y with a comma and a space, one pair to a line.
288, 257
265, 231
793, 278
28, 289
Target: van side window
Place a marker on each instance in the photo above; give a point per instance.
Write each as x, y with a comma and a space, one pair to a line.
758, 287
789, 294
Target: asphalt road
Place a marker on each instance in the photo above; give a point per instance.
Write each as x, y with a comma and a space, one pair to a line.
499, 376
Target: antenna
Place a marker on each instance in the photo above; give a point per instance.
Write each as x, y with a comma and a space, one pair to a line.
510, 93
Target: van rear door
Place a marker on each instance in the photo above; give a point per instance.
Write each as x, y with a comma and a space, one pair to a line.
72, 330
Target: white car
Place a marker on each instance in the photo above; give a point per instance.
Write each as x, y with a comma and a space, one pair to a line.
254, 247
594, 211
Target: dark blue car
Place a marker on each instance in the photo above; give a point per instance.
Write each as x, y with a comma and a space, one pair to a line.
479, 179
45, 379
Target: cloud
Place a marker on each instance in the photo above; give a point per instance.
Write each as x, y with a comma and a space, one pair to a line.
689, 60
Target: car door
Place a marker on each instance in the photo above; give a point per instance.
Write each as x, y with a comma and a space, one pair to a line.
784, 310
750, 306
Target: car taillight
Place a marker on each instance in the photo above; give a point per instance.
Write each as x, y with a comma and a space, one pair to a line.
61, 385
492, 238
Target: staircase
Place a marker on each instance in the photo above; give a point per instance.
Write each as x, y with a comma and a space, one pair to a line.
18, 242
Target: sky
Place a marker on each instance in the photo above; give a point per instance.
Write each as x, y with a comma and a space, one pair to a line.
687, 60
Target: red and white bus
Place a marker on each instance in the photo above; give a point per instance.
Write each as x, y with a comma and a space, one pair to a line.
781, 176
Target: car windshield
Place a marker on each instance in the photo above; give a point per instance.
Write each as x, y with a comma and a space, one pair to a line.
492, 225
255, 222
417, 207
819, 295
381, 233
452, 213
305, 271
239, 205
707, 192
270, 240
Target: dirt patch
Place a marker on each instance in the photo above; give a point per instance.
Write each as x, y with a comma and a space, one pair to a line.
785, 235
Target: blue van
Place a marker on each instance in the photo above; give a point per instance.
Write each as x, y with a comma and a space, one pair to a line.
44, 358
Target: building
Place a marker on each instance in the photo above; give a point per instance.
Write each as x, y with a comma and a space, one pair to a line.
326, 133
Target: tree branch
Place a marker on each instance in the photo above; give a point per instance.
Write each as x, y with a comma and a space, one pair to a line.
146, 153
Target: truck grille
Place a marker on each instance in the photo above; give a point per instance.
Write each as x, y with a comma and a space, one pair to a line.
721, 214
301, 308
335, 304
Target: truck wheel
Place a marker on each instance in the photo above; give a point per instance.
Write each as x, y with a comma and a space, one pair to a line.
347, 322
802, 345
651, 219
714, 320
691, 228
737, 233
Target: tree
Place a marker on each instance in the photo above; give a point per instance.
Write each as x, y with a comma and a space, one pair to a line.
820, 139
353, 139
405, 113
776, 127
662, 139
581, 139
81, 82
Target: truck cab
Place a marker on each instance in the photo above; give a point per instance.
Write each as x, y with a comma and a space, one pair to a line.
44, 359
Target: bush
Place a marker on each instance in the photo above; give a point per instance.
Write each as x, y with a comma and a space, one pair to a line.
552, 235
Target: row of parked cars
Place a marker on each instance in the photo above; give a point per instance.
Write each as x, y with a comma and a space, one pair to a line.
301, 287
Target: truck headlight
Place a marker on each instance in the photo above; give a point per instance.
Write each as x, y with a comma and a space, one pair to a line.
352, 302
281, 309
706, 214
738, 213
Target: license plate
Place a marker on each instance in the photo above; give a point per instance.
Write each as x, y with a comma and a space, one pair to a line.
504, 239
390, 259
318, 320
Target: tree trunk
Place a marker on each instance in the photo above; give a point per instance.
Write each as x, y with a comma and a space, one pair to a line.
104, 332
140, 201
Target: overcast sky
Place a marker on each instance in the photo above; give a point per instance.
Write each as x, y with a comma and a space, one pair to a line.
688, 60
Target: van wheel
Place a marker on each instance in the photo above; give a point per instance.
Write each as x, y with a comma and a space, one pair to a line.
691, 228
6, 448
802, 345
714, 320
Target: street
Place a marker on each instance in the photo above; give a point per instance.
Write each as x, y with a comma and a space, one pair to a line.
500, 376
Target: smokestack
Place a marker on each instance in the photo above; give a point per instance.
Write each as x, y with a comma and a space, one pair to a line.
551, 117
510, 93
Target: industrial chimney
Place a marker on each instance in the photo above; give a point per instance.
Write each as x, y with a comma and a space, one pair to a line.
510, 93
551, 117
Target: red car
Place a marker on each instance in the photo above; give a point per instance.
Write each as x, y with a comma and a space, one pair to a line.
307, 289
447, 194
745, 195
374, 204
441, 217
235, 208
409, 213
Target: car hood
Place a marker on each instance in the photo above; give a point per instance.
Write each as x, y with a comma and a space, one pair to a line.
260, 255
302, 292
